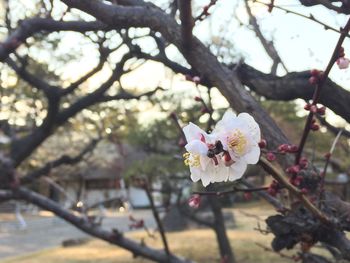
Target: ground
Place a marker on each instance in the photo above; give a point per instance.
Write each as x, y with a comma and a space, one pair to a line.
197, 244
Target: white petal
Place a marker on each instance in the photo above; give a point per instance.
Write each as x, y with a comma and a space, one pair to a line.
197, 147
195, 174
205, 161
252, 157
205, 179
222, 173
217, 173
252, 126
228, 116
228, 122
237, 170
192, 132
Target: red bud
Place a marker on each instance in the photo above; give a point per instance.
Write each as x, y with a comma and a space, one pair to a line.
262, 144
270, 156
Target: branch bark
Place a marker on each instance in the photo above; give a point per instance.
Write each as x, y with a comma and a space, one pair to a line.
29, 27
113, 237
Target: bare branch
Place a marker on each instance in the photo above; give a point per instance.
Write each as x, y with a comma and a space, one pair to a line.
29, 27
268, 45
187, 22
83, 224
293, 86
157, 218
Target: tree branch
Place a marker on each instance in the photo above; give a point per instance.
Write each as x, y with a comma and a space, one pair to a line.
83, 224
29, 27
267, 45
295, 85
64, 159
187, 22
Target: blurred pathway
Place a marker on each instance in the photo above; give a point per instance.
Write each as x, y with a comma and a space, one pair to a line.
48, 232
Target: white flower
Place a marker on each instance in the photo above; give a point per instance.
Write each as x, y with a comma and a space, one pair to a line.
237, 135
201, 166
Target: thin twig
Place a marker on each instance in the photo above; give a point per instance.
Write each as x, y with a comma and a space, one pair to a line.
318, 88
158, 221
309, 17
328, 158
282, 255
232, 191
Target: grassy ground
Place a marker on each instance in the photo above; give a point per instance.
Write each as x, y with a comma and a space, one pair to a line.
196, 244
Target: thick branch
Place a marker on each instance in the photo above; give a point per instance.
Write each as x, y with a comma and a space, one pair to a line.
23, 147
113, 237
295, 85
187, 22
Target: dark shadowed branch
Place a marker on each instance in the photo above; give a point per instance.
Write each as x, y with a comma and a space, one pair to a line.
114, 237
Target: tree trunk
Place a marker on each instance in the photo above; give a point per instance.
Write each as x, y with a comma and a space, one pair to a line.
226, 252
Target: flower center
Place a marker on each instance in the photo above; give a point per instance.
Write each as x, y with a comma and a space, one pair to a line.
237, 142
192, 160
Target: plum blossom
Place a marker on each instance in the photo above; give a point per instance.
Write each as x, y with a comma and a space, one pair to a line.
194, 201
240, 137
224, 154
202, 167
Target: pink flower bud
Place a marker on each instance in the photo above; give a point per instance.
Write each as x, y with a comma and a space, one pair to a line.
293, 169
270, 156
283, 147
292, 148
303, 163
262, 144
307, 106
194, 201
315, 127
343, 63
298, 180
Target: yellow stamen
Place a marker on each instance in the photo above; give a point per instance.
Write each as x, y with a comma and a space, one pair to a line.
237, 142
192, 160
